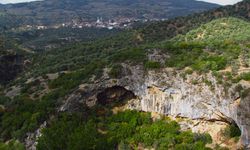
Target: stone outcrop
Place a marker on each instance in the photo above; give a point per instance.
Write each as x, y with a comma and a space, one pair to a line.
31, 140
169, 92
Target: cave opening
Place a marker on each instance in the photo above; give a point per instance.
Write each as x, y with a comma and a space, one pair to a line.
115, 95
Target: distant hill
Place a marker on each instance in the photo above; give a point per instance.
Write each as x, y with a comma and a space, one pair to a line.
57, 11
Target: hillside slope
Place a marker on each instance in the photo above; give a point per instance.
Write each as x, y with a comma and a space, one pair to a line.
89, 79
219, 30
181, 25
75, 96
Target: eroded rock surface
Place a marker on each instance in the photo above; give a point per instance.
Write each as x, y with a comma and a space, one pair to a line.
167, 92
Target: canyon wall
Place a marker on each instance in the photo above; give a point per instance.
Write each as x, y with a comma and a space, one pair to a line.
170, 92
202, 104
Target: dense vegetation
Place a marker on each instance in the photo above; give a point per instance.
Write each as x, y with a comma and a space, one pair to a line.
122, 47
12, 145
224, 45
24, 114
202, 55
193, 55
47, 39
126, 130
159, 31
224, 29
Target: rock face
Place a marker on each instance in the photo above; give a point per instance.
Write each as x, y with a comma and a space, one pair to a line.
169, 92
243, 120
31, 140
175, 96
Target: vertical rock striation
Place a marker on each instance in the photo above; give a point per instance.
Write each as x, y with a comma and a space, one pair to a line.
169, 92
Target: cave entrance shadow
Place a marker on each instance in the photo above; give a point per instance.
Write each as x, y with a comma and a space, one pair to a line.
115, 95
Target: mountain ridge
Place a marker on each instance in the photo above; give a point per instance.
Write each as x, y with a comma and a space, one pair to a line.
55, 12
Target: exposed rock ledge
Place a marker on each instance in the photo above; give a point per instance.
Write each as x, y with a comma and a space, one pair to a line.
166, 92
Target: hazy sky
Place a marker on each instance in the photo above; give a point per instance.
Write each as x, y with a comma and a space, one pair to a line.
14, 1
222, 2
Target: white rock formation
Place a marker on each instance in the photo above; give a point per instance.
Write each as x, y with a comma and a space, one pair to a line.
166, 92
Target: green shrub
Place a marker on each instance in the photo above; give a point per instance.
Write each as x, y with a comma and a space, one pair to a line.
189, 71
244, 76
232, 131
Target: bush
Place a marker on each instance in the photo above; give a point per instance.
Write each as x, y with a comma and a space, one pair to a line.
232, 131
244, 76
189, 71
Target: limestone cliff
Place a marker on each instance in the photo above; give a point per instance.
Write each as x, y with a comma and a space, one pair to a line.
169, 92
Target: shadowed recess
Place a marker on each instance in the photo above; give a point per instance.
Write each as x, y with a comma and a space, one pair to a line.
114, 94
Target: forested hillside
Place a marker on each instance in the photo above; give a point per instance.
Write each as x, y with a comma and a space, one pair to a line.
225, 29
81, 61
181, 25
98, 94
48, 39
